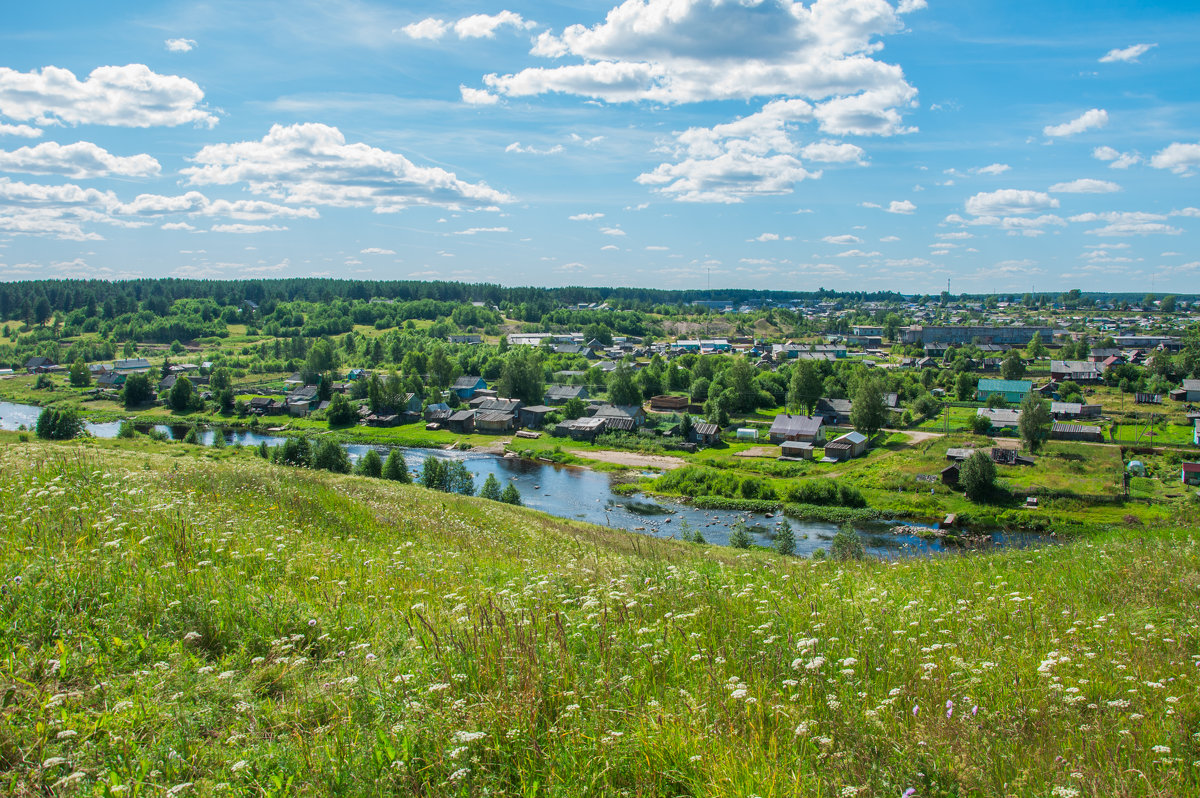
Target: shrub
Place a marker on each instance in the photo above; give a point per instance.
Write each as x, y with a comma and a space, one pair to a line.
370, 465
785, 539
59, 424
977, 476
739, 537
847, 545
126, 430
329, 456
510, 495
395, 469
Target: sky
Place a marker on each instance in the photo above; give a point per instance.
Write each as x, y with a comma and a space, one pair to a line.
846, 144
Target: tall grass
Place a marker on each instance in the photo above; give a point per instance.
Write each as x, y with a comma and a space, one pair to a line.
171, 625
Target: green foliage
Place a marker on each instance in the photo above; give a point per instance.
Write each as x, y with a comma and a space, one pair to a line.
193, 436
574, 408
136, 391
521, 377
126, 430
739, 536
340, 413
43, 383
622, 390
785, 539
869, 412
981, 425
846, 545
805, 387
79, 375
330, 456
510, 494
1035, 422
825, 492
978, 476
369, 465
490, 489
1013, 366
59, 423
395, 469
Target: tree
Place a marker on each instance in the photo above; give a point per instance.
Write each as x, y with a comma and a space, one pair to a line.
330, 456
521, 376
805, 387
79, 375
785, 539
977, 476
1036, 350
869, 412
459, 479
510, 495
340, 412
370, 465
685, 426
180, 395
395, 469
574, 408
1012, 367
1034, 424
490, 489
622, 390
964, 387
433, 473
137, 391
58, 424
981, 425
739, 537
1168, 304
846, 545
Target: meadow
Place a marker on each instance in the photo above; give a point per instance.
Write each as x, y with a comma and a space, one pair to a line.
214, 624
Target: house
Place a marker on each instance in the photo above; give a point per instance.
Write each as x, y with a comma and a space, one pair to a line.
134, 364
1013, 391
533, 417
958, 455
438, 413
1001, 418
495, 421
1190, 473
1191, 390
465, 339
466, 387
1063, 410
950, 474
801, 429
796, 450
580, 429
382, 420
38, 365
836, 412
412, 403
462, 422
1076, 432
704, 433
1147, 399
669, 404
632, 412
488, 403
846, 447
561, 394
356, 374
264, 406
1076, 370
110, 379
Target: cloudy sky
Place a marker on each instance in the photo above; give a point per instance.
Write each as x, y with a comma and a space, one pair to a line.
850, 144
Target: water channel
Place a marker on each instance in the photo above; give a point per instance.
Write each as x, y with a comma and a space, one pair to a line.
580, 493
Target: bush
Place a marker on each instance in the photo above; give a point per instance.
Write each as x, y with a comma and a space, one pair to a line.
59, 424
977, 476
490, 489
739, 538
846, 545
825, 492
395, 469
370, 465
981, 425
192, 436
785, 539
510, 495
329, 456
126, 430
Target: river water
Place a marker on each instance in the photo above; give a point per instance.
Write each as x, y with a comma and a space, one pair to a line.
583, 494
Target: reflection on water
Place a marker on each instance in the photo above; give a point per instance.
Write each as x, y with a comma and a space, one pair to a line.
582, 494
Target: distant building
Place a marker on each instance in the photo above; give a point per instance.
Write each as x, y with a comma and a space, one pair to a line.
959, 335
847, 447
1013, 391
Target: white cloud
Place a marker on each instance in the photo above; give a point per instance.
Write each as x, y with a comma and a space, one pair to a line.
483, 26
23, 131
608, 247
959, 236
428, 28
1085, 185
889, 239
1131, 53
612, 231
763, 237
376, 251
81, 160
471, 231
312, 164
1009, 201
656, 248
901, 206
857, 253
531, 150
1119, 160
477, 96
1180, 158
247, 229
586, 217
180, 45
991, 169
1127, 223
1192, 212
833, 152
179, 226
842, 239
128, 96
1096, 117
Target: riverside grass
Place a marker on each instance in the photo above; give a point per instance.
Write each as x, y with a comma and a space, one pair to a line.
188, 626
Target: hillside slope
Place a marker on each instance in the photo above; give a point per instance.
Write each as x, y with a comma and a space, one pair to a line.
199, 627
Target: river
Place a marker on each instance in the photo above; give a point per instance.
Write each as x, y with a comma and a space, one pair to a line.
584, 494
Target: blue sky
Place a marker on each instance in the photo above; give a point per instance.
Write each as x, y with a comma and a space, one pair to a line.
848, 144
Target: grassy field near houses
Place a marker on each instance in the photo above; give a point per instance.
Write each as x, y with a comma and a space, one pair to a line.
183, 620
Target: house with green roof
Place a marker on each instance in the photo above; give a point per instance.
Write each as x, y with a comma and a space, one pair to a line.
1012, 390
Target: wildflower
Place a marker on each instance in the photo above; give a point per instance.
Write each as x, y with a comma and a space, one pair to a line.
241, 764
469, 737
909, 793
1161, 749
915, 710
54, 761
312, 622
66, 734
949, 707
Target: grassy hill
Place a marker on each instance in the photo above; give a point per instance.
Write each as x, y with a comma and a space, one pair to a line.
182, 625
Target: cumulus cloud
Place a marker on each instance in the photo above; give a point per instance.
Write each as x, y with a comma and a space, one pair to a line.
815, 61
1096, 117
180, 45
471, 231
312, 164
901, 206
429, 28
516, 146
376, 251
842, 239
1127, 223
1180, 158
763, 237
1085, 185
1116, 159
246, 229
80, 161
586, 217
476, 26
1008, 201
1131, 53
991, 169
23, 131
126, 96
477, 96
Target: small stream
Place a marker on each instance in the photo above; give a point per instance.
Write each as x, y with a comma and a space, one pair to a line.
583, 494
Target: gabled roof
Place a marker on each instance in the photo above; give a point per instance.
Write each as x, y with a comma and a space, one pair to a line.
785, 424
1005, 386
705, 428
467, 382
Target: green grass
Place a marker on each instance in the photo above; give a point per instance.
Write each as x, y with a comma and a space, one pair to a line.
251, 629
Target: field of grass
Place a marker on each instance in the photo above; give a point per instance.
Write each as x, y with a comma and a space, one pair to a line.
195, 625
